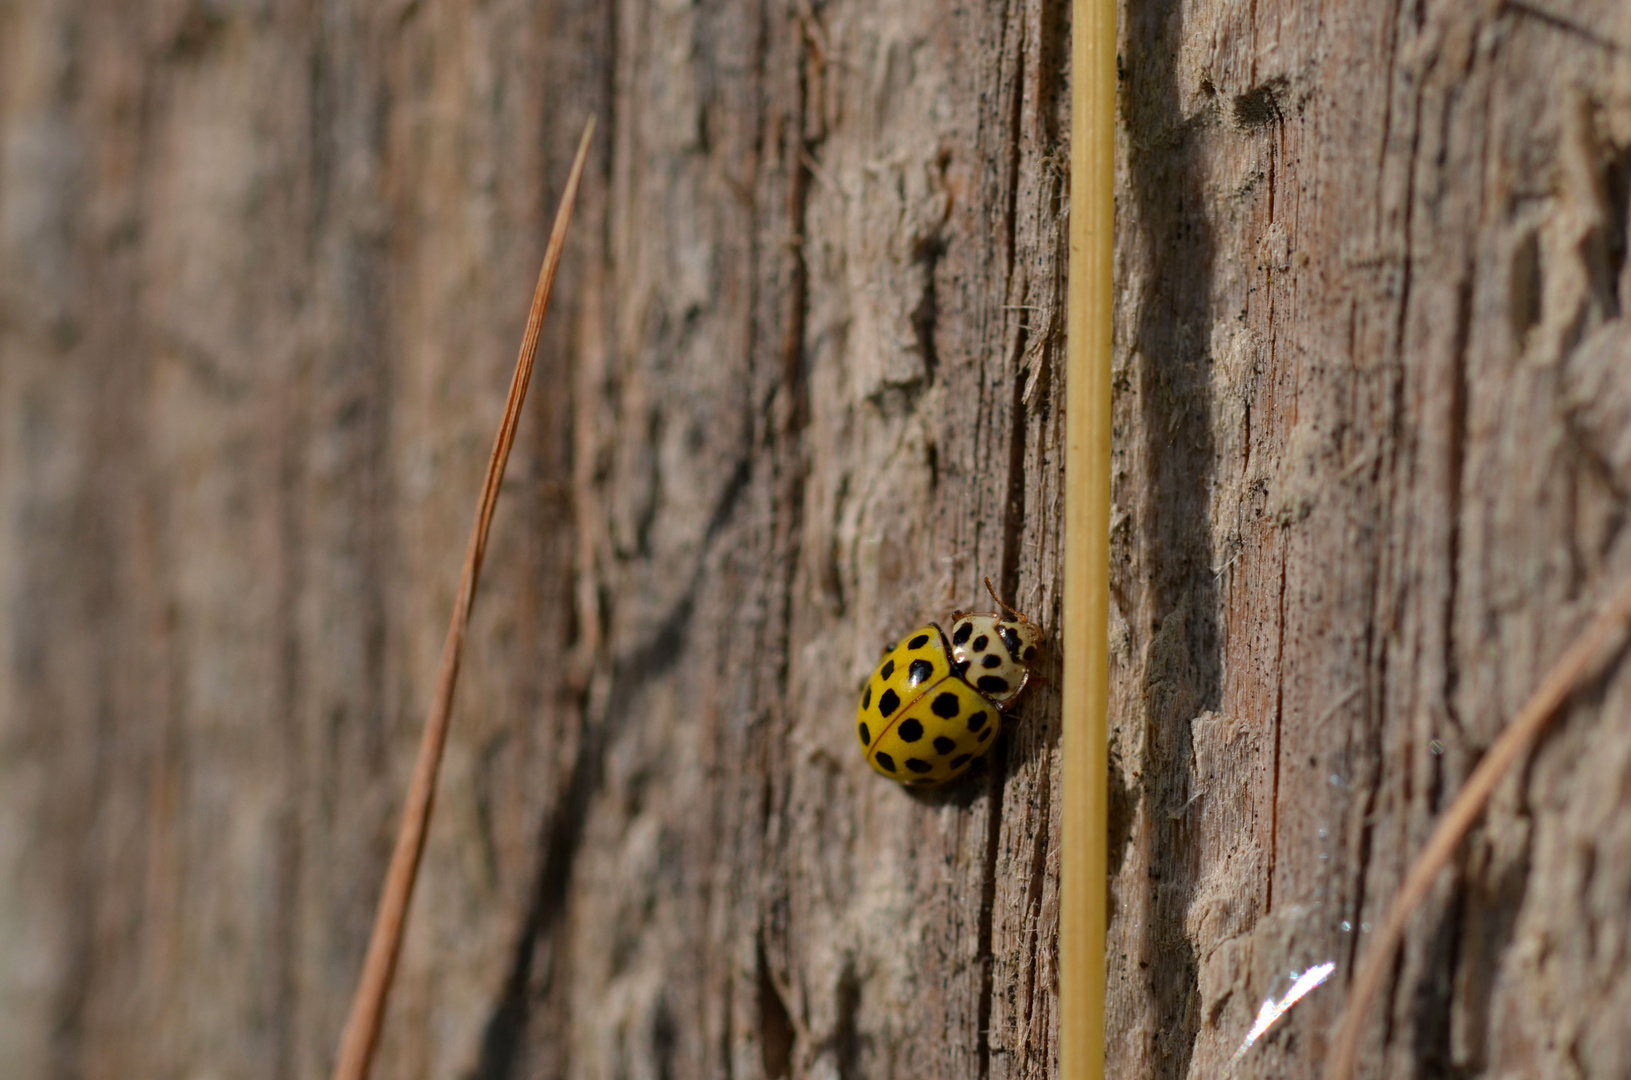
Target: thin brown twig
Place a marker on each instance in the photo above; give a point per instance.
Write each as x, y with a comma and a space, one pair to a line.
1578, 661
362, 1027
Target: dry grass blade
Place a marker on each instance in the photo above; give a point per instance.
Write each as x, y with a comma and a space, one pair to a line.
1577, 663
368, 1007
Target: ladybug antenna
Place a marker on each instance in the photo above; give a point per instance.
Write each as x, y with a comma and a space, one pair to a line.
1016, 614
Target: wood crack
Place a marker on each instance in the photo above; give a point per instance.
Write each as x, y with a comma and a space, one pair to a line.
1013, 529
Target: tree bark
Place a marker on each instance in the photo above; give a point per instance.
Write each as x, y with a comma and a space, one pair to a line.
1375, 379
262, 272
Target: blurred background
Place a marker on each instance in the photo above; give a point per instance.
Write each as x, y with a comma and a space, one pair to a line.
263, 272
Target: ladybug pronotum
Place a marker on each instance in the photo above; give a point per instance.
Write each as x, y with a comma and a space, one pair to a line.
935, 702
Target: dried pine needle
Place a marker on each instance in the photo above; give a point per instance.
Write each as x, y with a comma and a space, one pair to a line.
1577, 663
362, 1027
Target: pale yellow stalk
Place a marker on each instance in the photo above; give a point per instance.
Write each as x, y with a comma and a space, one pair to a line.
1087, 541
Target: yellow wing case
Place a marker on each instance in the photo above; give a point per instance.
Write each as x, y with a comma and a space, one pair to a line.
919, 721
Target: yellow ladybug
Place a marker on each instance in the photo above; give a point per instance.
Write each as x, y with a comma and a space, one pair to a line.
935, 703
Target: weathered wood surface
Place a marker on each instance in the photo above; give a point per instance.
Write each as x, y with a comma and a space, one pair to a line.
1374, 388
262, 270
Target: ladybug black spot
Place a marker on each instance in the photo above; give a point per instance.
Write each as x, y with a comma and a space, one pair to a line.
866, 735
910, 731
918, 672
960, 760
961, 634
945, 705
977, 721
1030, 653
888, 703
918, 642
885, 760
866, 697
918, 765
943, 745
986, 734
1010, 639
991, 660
962, 667
981, 642
993, 684
887, 670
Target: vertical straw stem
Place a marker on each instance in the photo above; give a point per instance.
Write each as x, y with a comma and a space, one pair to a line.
1087, 540
362, 1027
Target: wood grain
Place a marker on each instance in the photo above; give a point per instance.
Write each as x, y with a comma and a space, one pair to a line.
1365, 250
261, 273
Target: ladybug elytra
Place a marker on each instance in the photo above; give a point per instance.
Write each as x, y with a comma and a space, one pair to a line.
934, 704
